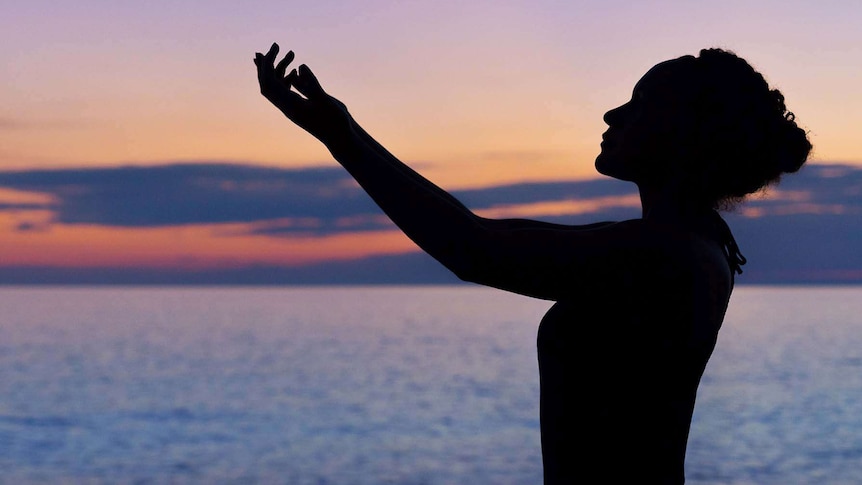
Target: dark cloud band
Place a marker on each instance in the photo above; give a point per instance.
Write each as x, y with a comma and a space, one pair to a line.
325, 200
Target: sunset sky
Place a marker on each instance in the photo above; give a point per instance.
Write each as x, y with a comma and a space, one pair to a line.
473, 94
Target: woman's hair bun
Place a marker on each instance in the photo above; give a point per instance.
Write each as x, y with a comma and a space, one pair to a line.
796, 145
747, 138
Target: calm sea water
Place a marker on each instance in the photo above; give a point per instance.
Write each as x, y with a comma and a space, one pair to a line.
425, 385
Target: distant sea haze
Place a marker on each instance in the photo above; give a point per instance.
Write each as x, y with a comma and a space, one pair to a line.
806, 230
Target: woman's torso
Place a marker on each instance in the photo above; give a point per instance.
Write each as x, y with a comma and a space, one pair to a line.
620, 361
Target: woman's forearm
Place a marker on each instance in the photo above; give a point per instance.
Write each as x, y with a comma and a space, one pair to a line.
404, 168
428, 215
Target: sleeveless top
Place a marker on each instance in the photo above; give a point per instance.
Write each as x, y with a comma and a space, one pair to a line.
619, 373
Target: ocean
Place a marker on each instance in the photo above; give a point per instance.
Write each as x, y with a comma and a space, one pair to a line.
385, 385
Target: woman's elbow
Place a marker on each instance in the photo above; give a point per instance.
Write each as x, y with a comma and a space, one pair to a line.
468, 268
465, 274
468, 255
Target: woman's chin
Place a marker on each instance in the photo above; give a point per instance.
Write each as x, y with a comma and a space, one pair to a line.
600, 167
611, 167
604, 165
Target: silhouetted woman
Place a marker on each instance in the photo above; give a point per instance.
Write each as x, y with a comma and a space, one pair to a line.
638, 302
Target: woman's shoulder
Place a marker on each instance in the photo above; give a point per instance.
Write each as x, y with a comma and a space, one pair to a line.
680, 251
696, 269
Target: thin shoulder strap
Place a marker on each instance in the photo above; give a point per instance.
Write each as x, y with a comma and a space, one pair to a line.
728, 244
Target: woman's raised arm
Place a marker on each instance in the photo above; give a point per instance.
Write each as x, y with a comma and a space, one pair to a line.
527, 257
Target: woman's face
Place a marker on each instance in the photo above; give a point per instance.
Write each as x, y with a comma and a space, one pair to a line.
647, 132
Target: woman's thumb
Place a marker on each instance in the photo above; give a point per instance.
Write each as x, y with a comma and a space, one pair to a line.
307, 84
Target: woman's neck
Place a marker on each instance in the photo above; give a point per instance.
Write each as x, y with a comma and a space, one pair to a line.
666, 205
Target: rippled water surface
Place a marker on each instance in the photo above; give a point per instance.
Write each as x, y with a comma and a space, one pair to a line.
421, 385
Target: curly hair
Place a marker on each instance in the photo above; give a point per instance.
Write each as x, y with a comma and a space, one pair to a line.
744, 137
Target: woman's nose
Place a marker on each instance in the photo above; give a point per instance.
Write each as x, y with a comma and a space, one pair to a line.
613, 116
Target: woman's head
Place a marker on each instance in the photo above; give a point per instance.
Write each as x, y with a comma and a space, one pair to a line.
709, 126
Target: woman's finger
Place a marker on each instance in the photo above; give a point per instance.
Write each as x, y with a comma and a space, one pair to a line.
282, 65
264, 71
307, 83
290, 79
273, 52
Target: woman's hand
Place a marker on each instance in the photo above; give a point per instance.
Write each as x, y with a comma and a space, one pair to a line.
318, 113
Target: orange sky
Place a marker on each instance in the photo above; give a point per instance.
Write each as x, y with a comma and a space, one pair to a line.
471, 93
